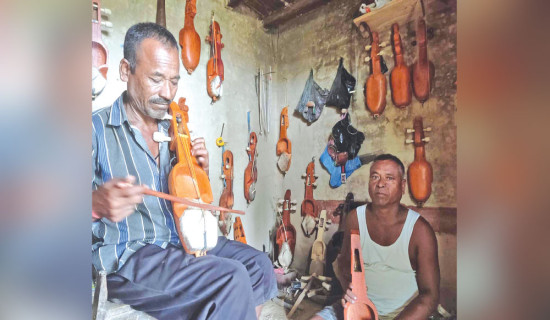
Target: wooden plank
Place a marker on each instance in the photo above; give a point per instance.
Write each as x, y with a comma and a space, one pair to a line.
400, 11
275, 4
294, 10
234, 3
258, 6
442, 219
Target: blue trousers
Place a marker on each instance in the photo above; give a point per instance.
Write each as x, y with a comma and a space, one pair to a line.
227, 283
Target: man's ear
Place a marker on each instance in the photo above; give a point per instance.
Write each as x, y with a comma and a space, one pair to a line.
124, 70
403, 185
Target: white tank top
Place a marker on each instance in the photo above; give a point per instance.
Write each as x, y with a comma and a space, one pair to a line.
390, 278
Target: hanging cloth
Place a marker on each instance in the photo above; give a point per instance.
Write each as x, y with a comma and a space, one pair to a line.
313, 100
342, 87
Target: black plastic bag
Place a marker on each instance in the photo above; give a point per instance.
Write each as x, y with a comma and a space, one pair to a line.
342, 86
313, 100
346, 137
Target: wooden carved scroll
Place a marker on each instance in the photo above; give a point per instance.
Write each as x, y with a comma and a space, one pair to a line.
318, 250
423, 69
226, 199
189, 39
286, 233
375, 90
400, 77
284, 146
310, 210
420, 170
99, 50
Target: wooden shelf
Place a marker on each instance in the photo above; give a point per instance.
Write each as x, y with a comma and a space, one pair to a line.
381, 20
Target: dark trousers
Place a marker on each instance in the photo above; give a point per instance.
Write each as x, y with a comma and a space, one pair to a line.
227, 283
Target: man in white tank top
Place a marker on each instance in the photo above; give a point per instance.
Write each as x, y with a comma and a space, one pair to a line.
399, 250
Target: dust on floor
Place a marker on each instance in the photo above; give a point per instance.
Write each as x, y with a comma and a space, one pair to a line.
274, 311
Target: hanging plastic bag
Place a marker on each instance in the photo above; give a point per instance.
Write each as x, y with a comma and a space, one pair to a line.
346, 137
342, 87
313, 100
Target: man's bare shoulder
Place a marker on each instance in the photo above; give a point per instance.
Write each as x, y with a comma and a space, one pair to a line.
423, 233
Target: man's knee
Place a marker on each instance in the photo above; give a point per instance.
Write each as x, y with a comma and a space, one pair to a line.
239, 275
265, 264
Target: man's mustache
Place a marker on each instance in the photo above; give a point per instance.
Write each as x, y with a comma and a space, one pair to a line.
159, 100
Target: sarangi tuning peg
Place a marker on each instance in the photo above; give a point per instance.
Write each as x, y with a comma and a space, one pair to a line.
105, 12
105, 25
160, 137
426, 139
368, 47
166, 116
410, 130
409, 141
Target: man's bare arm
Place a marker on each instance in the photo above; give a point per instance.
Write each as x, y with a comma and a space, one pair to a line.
427, 273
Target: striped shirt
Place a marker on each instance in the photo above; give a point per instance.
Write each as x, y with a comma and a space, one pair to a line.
119, 150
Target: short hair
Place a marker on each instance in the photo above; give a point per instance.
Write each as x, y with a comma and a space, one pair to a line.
141, 31
391, 157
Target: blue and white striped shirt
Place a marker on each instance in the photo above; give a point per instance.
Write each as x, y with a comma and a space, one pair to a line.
119, 150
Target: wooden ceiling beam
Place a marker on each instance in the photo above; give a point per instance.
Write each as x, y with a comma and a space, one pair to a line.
293, 10
234, 3
258, 6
